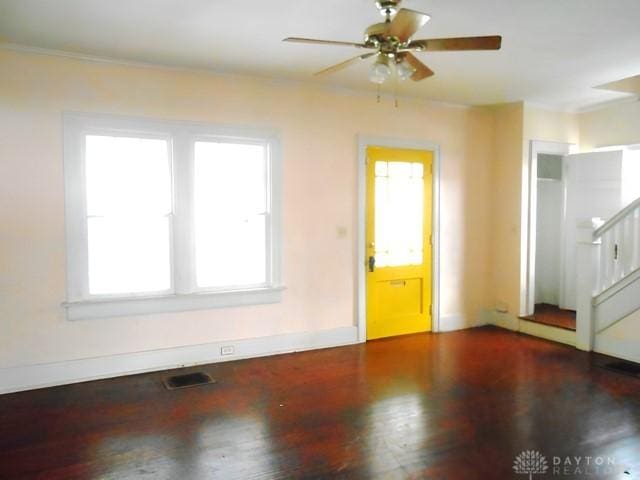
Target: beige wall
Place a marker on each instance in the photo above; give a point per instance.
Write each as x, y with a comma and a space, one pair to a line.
614, 125
516, 125
550, 126
318, 131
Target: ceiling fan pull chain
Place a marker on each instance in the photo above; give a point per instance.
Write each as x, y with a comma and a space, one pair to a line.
395, 84
378, 92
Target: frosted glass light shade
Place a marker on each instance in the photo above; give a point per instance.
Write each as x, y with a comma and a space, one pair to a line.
404, 70
380, 71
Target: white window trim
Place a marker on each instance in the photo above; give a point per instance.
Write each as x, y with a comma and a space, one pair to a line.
183, 294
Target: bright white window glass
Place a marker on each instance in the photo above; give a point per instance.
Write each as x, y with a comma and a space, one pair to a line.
231, 211
128, 208
399, 213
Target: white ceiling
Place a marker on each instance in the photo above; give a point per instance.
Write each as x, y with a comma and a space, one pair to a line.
554, 51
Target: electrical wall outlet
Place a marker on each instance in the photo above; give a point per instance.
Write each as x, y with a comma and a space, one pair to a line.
227, 350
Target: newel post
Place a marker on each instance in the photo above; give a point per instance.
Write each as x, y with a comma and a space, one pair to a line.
587, 264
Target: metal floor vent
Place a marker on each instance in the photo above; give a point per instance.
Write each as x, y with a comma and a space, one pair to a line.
187, 380
627, 368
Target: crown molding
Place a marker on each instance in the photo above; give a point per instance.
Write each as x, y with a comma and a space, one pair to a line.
609, 104
83, 57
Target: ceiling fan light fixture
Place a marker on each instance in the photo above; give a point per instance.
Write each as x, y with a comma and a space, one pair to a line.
393, 45
404, 70
380, 70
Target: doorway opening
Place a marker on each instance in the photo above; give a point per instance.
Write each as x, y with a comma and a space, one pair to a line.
544, 300
581, 190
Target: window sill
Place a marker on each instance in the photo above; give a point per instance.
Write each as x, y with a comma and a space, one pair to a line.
104, 308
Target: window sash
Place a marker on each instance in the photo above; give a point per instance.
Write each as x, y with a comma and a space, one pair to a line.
265, 213
181, 138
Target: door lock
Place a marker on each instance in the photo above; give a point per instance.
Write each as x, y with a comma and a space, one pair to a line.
372, 263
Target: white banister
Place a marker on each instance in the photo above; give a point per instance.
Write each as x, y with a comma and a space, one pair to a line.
620, 252
607, 262
632, 207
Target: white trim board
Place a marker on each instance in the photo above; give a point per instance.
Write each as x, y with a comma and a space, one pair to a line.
460, 321
16, 379
363, 142
617, 348
503, 320
548, 332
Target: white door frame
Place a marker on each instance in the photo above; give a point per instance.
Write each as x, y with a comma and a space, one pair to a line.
363, 142
529, 221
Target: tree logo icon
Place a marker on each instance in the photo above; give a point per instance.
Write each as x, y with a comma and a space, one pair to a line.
530, 462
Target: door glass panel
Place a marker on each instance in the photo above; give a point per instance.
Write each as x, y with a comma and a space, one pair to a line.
399, 213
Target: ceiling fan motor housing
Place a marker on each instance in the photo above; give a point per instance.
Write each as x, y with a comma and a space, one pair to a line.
377, 36
387, 7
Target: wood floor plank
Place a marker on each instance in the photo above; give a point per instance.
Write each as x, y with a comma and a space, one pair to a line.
457, 405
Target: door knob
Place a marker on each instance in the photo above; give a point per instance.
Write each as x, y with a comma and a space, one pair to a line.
372, 263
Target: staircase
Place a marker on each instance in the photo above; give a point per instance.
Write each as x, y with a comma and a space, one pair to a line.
608, 302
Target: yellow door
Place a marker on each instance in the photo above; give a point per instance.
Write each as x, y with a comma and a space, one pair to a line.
398, 236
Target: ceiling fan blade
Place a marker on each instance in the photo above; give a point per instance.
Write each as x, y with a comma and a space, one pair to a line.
457, 44
346, 63
323, 42
422, 71
406, 23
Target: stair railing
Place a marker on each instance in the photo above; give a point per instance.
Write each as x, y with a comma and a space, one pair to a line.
607, 254
619, 238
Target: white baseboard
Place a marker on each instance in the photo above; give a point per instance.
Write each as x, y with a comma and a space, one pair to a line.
548, 332
451, 323
515, 324
503, 320
15, 379
616, 347
485, 317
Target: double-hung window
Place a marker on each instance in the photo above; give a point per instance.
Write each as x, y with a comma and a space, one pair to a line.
169, 216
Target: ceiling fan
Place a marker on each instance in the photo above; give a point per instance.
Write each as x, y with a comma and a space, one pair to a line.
392, 44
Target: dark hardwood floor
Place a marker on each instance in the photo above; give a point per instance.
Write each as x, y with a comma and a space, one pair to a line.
456, 405
554, 316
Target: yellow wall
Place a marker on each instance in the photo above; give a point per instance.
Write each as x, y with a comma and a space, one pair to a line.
505, 201
318, 129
